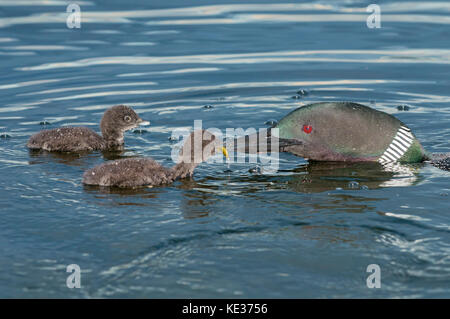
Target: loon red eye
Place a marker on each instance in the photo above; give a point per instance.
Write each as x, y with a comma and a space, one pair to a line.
307, 129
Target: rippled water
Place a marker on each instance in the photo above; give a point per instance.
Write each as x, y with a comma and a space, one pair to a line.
309, 230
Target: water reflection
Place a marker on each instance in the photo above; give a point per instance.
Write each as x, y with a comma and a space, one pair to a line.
73, 159
199, 197
315, 177
128, 193
196, 204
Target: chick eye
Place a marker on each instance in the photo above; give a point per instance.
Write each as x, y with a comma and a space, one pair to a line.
127, 118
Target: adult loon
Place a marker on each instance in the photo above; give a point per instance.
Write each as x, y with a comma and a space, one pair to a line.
344, 131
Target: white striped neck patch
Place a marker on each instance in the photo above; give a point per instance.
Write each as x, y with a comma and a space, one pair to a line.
398, 147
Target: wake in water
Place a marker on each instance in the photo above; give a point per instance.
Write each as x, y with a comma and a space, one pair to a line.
441, 161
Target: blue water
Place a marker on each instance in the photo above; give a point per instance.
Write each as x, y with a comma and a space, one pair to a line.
307, 231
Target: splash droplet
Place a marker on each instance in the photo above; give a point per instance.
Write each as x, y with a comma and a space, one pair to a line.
302, 92
353, 185
403, 107
255, 170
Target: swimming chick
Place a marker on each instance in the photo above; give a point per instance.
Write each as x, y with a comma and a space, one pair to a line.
133, 172
344, 131
115, 121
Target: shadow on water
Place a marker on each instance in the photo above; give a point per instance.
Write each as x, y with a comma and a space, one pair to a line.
193, 204
317, 177
198, 198
118, 197
196, 204
74, 159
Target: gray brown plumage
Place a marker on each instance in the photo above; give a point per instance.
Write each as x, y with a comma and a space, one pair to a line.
115, 121
441, 161
133, 172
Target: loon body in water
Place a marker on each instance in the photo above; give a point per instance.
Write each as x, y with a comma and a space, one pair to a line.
345, 131
115, 121
135, 172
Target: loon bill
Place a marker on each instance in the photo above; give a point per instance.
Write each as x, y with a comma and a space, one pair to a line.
345, 131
